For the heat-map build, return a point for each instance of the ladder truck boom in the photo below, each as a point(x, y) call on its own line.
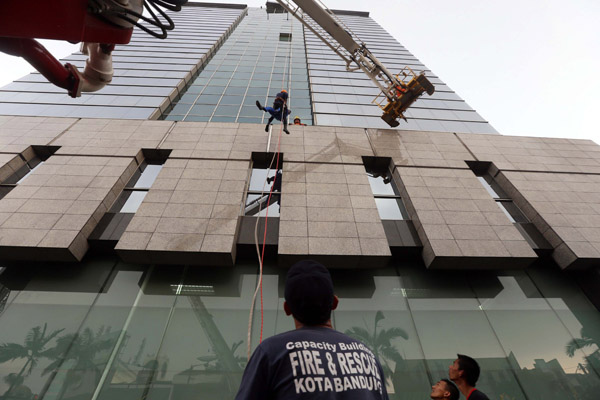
point(397, 91)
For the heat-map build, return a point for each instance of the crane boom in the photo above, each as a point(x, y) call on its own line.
point(397, 92)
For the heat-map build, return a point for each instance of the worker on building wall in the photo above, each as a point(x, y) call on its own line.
point(279, 111)
point(314, 361)
point(298, 121)
point(276, 187)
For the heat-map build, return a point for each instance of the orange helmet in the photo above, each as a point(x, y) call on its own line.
point(284, 91)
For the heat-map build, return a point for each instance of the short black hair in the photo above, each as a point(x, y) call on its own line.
point(309, 292)
point(451, 387)
point(470, 368)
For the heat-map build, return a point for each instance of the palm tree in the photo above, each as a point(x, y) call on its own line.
point(586, 340)
point(82, 348)
point(33, 348)
point(380, 342)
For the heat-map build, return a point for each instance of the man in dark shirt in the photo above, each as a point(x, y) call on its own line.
point(279, 110)
point(444, 390)
point(314, 361)
point(465, 372)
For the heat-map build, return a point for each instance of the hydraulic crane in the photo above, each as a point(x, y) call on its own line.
point(398, 92)
point(97, 24)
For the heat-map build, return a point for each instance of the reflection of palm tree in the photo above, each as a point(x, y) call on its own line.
point(380, 342)
point(33, 348)
point(586, 340)
point(207, 360)
point(82, 348)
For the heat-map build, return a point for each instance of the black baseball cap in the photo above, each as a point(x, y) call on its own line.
point(309, 292)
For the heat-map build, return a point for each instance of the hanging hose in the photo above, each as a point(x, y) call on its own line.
point(98, 70)
point(126, 13)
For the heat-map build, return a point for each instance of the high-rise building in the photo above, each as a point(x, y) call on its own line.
point(130, 218)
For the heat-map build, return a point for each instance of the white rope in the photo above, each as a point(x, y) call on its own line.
point(257, 245)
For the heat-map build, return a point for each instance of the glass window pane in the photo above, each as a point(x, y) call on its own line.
point(41, 351)
point(512, 211)
point(137, 363)
point(372, 309)
point(516, 303)
point(492, 187)
point(256, 203)
point(148, 176)
point(446, 301)
point(381, 184)
point(133, 202)
point(391, 209)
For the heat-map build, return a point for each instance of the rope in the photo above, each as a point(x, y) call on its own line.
point(261, 254)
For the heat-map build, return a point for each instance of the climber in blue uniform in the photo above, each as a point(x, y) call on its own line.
point(279, 111)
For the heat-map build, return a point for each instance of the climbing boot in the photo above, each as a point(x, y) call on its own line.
point(260, 107)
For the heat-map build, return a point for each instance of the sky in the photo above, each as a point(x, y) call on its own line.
point(529, 67)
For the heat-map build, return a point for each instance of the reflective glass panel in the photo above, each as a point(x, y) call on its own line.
point(134, 200)
point(148, 176)
point(392, 208)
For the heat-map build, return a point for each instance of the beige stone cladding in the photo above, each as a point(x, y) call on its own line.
point(556, 183)
point(520, 153)
point(217, 140)
point(51, 213)
point(191, 213)
point(565, 208)
point(426, 149)
point(110, 137)
point(9, 164)
point(328, 210)
point(458, 222)
point(19, 133)
point(456, 219)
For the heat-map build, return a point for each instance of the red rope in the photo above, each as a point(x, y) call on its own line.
point(262, 256)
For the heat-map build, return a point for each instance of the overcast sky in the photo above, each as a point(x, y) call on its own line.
point(530, 67)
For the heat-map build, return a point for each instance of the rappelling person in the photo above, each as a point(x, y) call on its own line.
point(276, 187)
point(279, 111)
point(298, 121)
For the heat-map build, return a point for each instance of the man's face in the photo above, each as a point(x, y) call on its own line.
point(439, 391)
point(454, 370)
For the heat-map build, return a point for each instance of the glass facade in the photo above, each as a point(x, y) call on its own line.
point(343, 98)
point(110, 330)
point(263, 55)
point(147, 72)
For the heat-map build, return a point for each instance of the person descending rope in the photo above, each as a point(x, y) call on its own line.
point(279, 111)
point(298, 121)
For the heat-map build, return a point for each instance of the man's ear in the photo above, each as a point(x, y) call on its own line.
point(336, 301)
point(446, 394)
point(287, 309)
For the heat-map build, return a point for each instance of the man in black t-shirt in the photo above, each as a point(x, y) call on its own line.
point(314, 361)
point(465, 371)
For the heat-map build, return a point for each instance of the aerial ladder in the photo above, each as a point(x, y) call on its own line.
point(97, 24)
point(397, 91)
